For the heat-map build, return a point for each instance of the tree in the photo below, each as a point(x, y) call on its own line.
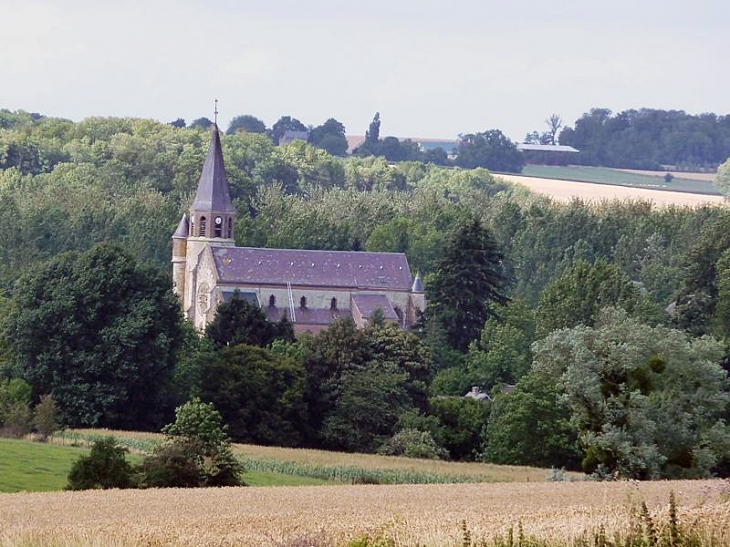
point(330, 136)
point(198, 439)
point(404, 351)
point(578, 295)
point(201, 123)
point(531, 426)
point(98, 331)
point(105, 467)
point(462, 422)
point(372, 135)
point(412, 443)
point(467, 281)
point(554, 123)
point(46, 417)
point(648, 401)
point(502, 355)
point(240, 322)
point(722, 179)
point(178, 123)
point(247, 124)
point(259, 395)
point(283, 124)
point(490, 149)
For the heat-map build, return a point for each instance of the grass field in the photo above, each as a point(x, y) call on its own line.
point(35, 467)
point(635, 179)
point(346, 467)
point(408, 515)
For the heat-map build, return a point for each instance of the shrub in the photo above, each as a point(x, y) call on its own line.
point(105, 467)
point(197, 451)
point(46, 417)
point(412, 443)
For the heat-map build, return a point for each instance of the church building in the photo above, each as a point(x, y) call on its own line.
point(310, 288)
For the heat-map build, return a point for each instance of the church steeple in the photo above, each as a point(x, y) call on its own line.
point(212, 212)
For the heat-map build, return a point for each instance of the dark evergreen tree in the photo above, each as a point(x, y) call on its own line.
point(468, 279)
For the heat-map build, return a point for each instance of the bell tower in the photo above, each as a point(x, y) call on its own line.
point(210, 221)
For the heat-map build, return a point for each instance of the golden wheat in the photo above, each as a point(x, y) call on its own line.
point(496, 473)
point(561, 190)
point(332, 515)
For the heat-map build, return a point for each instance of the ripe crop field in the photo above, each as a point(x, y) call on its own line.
point(341, 466)
point(409, 515)
point(565, 190)
point(652, 180)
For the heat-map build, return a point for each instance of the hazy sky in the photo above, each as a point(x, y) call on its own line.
point(432, 69)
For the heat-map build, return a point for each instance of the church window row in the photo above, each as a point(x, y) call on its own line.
point(302, 302)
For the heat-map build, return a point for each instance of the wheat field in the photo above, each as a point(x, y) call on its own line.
point(562, 190)
point(425, 515)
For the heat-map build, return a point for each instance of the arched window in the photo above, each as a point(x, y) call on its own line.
point(202, 227)
point(272, 301)
point(303, 302)
point(333, 304)
point(229, 234)
point(218, 227)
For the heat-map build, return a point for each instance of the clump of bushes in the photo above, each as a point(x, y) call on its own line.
point(196, 452)
point(413, 443)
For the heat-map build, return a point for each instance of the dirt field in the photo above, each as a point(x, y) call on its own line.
point(332, 515)
point(566, 190)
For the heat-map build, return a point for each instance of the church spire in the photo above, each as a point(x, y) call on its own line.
point(213, 194)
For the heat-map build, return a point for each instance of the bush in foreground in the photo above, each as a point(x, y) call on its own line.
point(105, 467)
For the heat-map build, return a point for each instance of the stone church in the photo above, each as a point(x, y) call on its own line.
point(310, 288)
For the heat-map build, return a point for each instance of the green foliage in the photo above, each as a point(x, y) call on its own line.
point(259, 395)
point(531, 426)
point(490, 149)
point(246, 123)
point(412, 443)
point(722, 179)
point(468, 279)
point(576, 297)
point(648, 401)
point(46, 416)
point(649, 138)
point(98, 331)
point(238, 321)
point(105, 467)
point(330, 136)
point(197, 439)
point(462, 422)
point(15, 414)
point(502, 355)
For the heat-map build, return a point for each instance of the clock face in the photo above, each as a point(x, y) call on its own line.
point(218, 220)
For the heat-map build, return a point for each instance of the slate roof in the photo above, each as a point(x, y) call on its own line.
point(347, 269)
point(417, 283)
point(183, 229)
point(368, 303)
point(212, 194)
point(308, 316)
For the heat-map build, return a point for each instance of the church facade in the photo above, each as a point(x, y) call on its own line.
point(311, 288)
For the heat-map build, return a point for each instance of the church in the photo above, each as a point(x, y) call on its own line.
point(311, 288)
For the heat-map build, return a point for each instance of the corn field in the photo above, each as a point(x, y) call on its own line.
point(508, 514)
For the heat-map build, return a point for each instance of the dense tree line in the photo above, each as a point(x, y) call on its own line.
point(524, 292)
point(649, 139)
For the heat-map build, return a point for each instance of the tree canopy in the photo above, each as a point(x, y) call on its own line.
point(99, 332)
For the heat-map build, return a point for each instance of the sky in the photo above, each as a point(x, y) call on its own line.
point(432, 69)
